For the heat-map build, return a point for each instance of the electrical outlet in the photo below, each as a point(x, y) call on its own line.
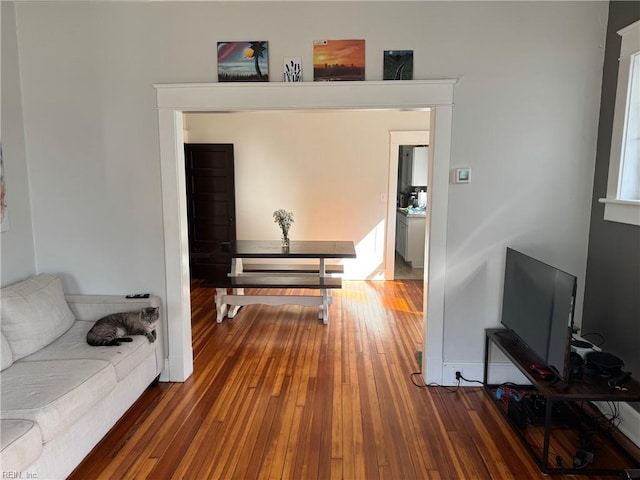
point(455, 373)
point(450, 370)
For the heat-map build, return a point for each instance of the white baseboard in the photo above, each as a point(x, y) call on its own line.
point(164, 376)
point(507, 372)
point(629, 420)
point(498, 373)
point(179, 370)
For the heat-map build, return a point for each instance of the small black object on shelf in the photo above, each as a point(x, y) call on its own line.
point(580, 343)
point(603, 363)
point(138, 295)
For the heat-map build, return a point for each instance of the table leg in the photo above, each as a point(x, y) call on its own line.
point(236, 267)
point(221, 308)
point(324, 308)
point(233, 310)
point(325, 293)
point(236, 270)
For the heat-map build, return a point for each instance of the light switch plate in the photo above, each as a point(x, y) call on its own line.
point(462, 175)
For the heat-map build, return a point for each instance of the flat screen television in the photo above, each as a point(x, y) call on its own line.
point(537, 306)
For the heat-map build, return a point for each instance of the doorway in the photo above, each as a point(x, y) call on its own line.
point(396, 265)
point(411, 228)
point(173, 100)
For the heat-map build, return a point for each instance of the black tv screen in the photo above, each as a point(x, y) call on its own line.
point(537, 306)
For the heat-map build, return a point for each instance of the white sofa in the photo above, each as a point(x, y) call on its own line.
point(60, 396)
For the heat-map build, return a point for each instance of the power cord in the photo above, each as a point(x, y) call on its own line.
point(599, 420)
point(433, 384)
point(584, 454)
point(559, 460)
point(460, 377)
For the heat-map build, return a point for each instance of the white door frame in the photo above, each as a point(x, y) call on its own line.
point(175, 99)
point(396, 140)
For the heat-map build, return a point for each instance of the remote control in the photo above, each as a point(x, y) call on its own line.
point(542, 371)
point(138, 295)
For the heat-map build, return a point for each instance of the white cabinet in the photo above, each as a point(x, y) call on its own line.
point(414, 167)
point(419, 166)
point(401, 234)
point(410, 237)
point(416, 227)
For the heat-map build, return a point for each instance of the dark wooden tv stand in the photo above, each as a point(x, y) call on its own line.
point(612, 451)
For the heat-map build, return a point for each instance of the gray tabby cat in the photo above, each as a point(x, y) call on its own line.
point(110, 330)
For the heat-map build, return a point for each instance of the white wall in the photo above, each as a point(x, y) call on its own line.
point(329, 168)
point(525, 121)
point(17, 255)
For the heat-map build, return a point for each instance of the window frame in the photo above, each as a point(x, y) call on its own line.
point(615, 208)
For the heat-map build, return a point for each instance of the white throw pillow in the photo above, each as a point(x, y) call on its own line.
point(34, 313)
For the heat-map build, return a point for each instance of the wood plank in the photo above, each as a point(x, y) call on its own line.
point(297, 249)
point(283, 281)
point(296, 268)
point(269, 299)
point(272, 396)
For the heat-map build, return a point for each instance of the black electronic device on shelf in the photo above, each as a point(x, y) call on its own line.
point(537, 306)
point(535, 406)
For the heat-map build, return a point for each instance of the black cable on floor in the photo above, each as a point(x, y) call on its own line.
point(433, 384)
point(470, 381)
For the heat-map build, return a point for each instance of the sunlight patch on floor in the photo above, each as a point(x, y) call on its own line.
point(362, 292)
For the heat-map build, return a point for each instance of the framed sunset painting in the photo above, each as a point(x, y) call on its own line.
point(335, 60)
point(243, 61)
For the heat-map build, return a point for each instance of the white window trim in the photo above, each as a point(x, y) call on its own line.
point(615, 209)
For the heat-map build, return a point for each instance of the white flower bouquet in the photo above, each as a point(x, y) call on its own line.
point(284, 219)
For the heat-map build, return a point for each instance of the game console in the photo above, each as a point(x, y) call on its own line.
point(536, 404)
point(581, 346)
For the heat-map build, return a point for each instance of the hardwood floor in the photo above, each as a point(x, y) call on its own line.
point(276, 394)
point(404, 270)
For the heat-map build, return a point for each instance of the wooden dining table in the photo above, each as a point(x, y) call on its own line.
point(284, 271)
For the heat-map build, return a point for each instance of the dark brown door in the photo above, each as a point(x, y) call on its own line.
point(211, 207)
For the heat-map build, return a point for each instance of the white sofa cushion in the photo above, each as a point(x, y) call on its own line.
point(54, 393)
point(34, 313)
point(73, 345)
point(5, 353)
point(21, 444)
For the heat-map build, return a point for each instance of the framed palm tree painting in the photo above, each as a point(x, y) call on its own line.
point(243, 61)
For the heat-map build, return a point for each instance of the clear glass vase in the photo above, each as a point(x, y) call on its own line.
point(284, 241)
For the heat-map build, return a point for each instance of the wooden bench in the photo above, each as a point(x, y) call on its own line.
point(283, 281)
point(293, 268)
point(238, 298)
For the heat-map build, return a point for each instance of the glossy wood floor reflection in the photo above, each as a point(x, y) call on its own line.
point(276, 394)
